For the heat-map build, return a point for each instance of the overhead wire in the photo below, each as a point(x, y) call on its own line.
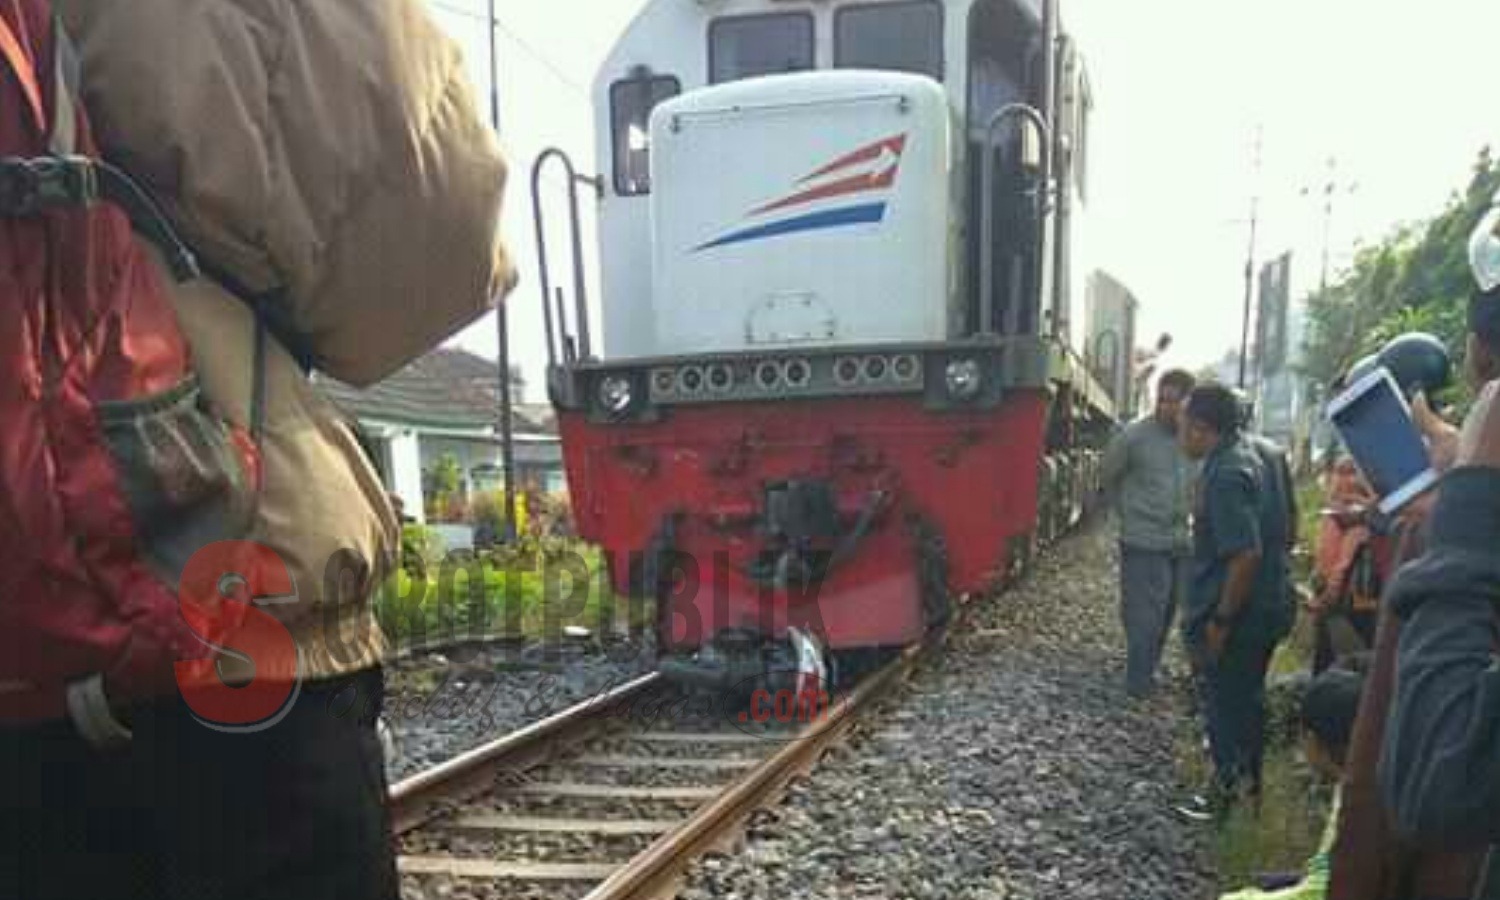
point(526, 46)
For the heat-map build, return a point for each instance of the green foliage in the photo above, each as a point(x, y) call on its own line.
point(447, 475)
point(421, 549)
point(487, 515)
point(446, 490)
point(1417, 279)
point(530, 590)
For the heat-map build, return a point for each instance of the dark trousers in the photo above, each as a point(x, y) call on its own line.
point(189, 813)
point(1326, 651)
point(1233, 695)
point(1153, 584)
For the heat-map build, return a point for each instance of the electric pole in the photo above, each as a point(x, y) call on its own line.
point(1331, 188)
point(1250, 258)
point(502, 325)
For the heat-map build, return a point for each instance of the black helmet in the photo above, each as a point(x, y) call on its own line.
point(1418, 362)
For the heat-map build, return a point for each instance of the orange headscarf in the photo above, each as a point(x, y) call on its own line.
point(1337, 543)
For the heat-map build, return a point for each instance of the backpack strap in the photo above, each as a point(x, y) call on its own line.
point(67, 87)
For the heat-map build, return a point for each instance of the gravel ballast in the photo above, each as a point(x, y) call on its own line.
point(442, 703)
point(1011, 767)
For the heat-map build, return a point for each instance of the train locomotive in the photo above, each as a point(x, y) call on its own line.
point(853, 360)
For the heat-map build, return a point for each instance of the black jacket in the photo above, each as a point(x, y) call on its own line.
point(1440, 768)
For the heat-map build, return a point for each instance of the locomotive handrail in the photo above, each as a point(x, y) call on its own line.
point(559, 340)
point(987, 221)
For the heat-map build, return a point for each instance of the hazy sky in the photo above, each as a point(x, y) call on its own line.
point(1395, 92)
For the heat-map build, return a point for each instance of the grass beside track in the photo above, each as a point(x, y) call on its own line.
point(528, 593)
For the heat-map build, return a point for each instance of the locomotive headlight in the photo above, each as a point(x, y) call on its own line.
point(964, 379)
point(616, 394)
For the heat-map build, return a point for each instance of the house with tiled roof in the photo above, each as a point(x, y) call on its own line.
point(445, 406)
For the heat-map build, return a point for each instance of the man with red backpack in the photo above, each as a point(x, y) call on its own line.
point(189, 677)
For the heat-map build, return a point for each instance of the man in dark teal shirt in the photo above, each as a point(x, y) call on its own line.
point(1238, 607)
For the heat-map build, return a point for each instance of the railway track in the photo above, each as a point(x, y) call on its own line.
point(593, 803)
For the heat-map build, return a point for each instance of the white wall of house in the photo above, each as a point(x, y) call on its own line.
point(406, 471)
point(406, 452)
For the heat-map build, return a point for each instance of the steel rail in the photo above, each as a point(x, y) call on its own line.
point(429, 794)
point(655, 872)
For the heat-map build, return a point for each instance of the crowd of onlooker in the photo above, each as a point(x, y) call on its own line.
point(1403, 709)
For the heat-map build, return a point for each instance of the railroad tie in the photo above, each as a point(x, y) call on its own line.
point(708, 737)
point(664, 762)
point(531, 824)
point(487, 869)
point(617, 792)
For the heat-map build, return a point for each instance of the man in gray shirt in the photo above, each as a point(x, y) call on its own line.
point(1150, 482)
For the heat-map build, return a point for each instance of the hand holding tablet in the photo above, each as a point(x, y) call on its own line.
point(1376, 424)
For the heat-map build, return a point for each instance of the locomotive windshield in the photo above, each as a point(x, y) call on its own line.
point(902, 37)
point(748, 46)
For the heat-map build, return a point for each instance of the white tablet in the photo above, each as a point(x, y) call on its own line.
point(1375, 423)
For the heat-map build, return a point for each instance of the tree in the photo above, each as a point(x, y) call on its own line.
point(1417, 279)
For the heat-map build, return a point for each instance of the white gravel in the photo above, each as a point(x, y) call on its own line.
point(440, 704)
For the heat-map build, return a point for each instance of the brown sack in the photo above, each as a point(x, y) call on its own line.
point(321, 507)
point(332, 149)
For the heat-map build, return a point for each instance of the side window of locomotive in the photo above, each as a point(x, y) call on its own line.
point(630, 104)
point(748, 46)
point(900, 37)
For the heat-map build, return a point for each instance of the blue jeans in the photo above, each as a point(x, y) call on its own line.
point(1153, 584)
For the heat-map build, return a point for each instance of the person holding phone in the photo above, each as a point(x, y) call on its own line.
point(1369, 858)
point(1440, 767)
point(1237, 606)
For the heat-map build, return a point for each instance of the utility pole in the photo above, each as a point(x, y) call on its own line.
point(1330, 189)
point(1250, 258)
point(502, 324)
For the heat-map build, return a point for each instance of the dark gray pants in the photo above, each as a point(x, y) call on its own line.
point(1153, 584)
point(187, 813)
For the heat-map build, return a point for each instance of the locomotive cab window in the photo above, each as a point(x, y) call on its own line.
point(748, 46)
point(630, 104)
point(900, 37)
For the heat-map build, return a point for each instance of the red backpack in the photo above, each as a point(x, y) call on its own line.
point(113, 472)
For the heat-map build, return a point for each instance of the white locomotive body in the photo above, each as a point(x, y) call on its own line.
point(832, 229)
point(843, 341)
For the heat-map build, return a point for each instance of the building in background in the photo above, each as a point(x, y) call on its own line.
point(435, 420)
point(1111, 353)
point(1285, 409)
